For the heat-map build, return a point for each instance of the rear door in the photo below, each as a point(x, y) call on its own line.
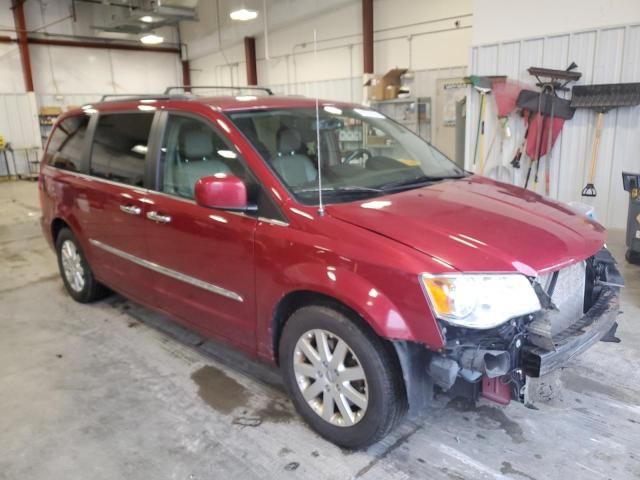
point(204, 256)
point(118, 202)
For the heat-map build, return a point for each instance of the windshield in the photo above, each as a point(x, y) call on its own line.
point(362, 152)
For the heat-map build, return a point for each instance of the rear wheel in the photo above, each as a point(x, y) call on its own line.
point(77, 276)
point(343, 379)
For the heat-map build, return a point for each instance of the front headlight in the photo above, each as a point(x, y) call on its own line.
point(479, 300)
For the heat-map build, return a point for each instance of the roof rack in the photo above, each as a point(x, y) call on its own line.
point(133, 96)
point(185, 88)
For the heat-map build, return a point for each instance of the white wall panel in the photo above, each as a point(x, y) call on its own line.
point(607, 55)
point(11, 79)
point(499, 20)
point(18, 126)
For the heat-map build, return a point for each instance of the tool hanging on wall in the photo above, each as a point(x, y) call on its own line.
point(602, 98)
point(505, 93)
point(515, 162)
point(549, 105)
point(483, 86)
point(536, 107)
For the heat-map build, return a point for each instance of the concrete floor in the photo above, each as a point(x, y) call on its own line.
point(114, 391)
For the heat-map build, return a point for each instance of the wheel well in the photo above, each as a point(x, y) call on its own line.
point(57, 225)
point(303, 298)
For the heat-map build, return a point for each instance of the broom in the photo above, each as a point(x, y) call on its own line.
point(602, 98)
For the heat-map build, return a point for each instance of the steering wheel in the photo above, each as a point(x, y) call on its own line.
point(358, 152)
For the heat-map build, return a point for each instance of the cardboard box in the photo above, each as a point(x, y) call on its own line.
point(384, 87)
point(50, 111)
point(376, 140)
point(391, 92)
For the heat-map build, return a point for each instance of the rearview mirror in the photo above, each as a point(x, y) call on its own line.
point(223, 191)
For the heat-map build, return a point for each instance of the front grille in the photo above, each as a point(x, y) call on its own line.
point(568, 296)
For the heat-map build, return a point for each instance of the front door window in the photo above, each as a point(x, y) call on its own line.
point(191, 150)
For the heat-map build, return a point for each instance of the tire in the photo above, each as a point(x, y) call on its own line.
point(633, 257)
point(376, 402)
point(71, 260)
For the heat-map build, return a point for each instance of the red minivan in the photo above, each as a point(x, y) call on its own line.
point(328, 240)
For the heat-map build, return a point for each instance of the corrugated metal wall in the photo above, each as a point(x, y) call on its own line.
point(19, 126)
point(608, 55)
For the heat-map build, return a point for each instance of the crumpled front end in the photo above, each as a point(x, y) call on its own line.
point(580, 305)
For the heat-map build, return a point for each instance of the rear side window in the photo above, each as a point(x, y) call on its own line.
point(66, 146)
point(120, 147)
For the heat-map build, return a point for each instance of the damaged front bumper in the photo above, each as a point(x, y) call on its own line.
point(511, 361)
point(597, 324)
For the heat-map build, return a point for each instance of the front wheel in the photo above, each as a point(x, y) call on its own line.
point(633, 257)
point(343, 379)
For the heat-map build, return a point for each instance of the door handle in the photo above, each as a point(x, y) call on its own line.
point(157, 217)
point(131, 209)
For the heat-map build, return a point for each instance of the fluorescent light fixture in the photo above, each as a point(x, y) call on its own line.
point(243, 15)
point(332, 109)
point(368, 113)
point(139, 149)
point(376, 204)
point(151, 39)
point(147, 19)
point(246, 98)
point(227, 154)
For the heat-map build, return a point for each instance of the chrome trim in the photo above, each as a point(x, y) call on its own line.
point(168, 272)
point(157, 217)
point(130, 209)
point(273, 221)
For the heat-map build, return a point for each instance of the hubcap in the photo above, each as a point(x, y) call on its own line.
point(331, 378)
point(72, 265)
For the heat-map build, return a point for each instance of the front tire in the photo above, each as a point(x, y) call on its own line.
point(633, 257)
point(343, 379)
point(76, 274)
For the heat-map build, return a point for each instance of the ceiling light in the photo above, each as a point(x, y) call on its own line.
point(151, 39)
point(147, 19)
point(243, 15)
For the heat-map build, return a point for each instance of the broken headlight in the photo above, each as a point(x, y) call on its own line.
point(479, 300)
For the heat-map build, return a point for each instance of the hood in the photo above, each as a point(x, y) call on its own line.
point(479, 225)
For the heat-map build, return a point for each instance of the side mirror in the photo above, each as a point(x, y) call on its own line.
point(222, 191)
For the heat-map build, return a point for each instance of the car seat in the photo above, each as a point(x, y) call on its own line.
point(295, 168)
point(196, 158)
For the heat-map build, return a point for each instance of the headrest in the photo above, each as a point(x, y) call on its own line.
point(289, 141)
point(197, 144)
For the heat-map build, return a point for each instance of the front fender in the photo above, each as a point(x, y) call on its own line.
point(366, 299)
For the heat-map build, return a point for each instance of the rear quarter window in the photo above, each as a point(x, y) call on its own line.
point(67, 144)
point(120, 147)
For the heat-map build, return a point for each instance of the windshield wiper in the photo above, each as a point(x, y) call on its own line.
point(416, 182)
point(345, 189)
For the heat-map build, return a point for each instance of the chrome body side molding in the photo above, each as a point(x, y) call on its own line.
point(167, 271)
